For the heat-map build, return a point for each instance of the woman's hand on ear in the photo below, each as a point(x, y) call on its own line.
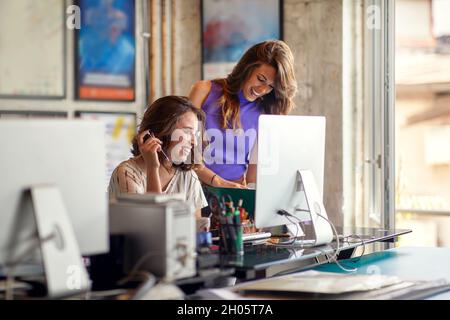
point(149, 149)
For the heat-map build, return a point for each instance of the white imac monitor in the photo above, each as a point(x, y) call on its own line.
point(69, 154)
point(288, 145)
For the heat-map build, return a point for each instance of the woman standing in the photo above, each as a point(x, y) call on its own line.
point(262, 82)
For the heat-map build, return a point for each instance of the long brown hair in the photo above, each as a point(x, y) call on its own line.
point(275, 53)
point(161, 118)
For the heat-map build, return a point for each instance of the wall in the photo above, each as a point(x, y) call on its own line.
point(313, 29)
point(187, 45)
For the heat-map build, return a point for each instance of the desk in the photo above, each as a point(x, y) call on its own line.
point(408, 262)
point(267, 261)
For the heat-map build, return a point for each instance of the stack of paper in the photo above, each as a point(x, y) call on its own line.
point(321, 282)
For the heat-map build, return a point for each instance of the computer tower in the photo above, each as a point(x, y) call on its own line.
point(158, 237)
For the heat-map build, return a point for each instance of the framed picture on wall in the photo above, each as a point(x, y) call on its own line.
point(32, 49)
point(120, 128)
point(105, 57)
point(26, 114)
point(230, 27)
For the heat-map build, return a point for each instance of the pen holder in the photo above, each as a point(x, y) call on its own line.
point(231, 241)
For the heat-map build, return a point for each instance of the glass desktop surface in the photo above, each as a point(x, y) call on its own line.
point(263, 256)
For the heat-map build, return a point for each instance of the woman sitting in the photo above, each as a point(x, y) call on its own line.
point(163, 160)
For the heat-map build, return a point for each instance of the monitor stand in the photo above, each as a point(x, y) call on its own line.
point(64, 269)
point(322, 231)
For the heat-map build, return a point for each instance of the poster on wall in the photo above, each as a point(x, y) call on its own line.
point(230, 27)
point(120, 128)
point(106, 50)
point(32, 49)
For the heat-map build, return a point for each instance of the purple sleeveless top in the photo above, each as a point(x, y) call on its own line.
point(228, 152)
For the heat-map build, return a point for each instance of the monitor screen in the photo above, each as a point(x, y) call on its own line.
point(287, 144)
point(67, 154)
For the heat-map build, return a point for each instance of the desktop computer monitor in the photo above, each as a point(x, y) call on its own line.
point(69, 154)
point(287, 146)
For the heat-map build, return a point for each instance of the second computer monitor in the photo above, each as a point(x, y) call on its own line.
point(286, 145)
point(67, 154)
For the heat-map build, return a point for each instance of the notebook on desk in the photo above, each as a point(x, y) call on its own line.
point(327, 285)
point(321, 282)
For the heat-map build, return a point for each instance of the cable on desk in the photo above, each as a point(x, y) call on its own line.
point(296, 231)
point(145, 286)
point(362, 242)
point(286, 215)
point(336, 252)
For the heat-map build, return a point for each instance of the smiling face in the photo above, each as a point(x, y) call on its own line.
point(260, 82)
point(183, 138)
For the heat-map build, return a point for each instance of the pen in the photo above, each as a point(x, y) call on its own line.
point(224, 234)
point(238, 229)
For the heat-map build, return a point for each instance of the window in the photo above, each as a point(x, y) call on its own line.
point(423, 121)
point(369, 92)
